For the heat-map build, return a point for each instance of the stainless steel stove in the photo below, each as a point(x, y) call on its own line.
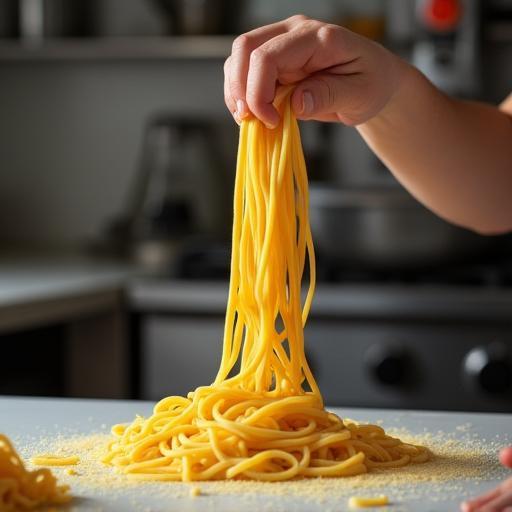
point(387, 341)
point(426, 347)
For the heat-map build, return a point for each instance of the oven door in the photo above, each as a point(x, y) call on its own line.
point(179, 353)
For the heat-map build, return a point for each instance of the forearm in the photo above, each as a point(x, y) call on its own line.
point(454, 156)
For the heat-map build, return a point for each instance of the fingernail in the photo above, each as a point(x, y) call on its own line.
point(236, 117)
point(307, 103)
point(270, 126)
point(241, 108)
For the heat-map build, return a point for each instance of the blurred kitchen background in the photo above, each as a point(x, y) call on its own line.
point(117, 160)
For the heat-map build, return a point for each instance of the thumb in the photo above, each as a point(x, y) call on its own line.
point(326, 96)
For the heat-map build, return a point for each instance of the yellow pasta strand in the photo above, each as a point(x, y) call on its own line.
point(363, 502)
point(55, 460)
point(23, 489)
point(263, 417)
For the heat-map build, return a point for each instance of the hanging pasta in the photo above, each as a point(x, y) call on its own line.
point(263, 417)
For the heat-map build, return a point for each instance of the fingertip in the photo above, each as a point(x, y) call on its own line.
point(271, 125)
point(465, 507)
point(506, 456)
point(303, 103)
point(241, 108)
point(228, 100)
point(268, 115)
point(296, 101)
point(308, 103)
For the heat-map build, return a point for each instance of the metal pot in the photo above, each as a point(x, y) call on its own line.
point(385, 229)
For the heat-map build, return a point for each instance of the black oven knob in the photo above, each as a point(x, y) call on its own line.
point(387, 364)
point(489, 368)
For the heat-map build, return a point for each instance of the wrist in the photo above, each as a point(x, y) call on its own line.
point(404, 80)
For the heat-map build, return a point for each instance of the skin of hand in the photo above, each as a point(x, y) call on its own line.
point(340, 76)
point(498, 499)
point(454, 156)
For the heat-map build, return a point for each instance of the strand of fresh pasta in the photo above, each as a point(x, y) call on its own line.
point(263, 417)
point(20, 488)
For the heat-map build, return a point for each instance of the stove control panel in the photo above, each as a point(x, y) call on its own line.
point(408, 347)
point(412, 364)
point(488, 369)
point(388, 364)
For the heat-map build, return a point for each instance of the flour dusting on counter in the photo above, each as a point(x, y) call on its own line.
point(460, 459)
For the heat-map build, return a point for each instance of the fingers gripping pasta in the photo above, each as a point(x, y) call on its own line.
point(263, 418)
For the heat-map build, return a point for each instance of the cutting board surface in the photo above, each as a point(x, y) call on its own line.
point(466, 463)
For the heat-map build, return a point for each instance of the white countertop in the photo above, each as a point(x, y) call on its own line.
point(26, 420)
point(25, 279)
point(43, 288)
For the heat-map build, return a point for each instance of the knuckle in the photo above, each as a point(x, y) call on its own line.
point(260, 57)
point(241, 44)
point(226, 64)
point(310, 24)
point(328, 34)
point(297, 19)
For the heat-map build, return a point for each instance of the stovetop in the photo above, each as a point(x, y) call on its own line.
point(211, 262)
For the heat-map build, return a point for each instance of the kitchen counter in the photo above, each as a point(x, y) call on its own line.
point(28, 420)
point(42, 288)
point(84, 295)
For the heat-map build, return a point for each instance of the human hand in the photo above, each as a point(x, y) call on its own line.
point(339, 75)
point(500, 498)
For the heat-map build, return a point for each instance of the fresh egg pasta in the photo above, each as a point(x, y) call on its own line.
point(263, 417)
point(24, 489)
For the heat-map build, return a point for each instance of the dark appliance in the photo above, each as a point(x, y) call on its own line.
point(178, 197)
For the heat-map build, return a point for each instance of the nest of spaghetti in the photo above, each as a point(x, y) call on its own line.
point(221, 433)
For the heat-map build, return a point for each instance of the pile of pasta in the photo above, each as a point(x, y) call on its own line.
point(263, 417)
point(23, 489)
